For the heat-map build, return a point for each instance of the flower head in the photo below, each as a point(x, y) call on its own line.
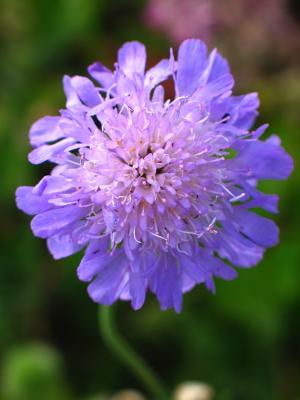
point(158, 192)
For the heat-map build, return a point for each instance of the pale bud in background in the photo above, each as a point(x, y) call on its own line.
point(128, 395)
point(194, 391)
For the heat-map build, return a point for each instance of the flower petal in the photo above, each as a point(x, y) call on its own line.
point(166, 283)
point(47, 151)
point(219, 87)
point(158, 73)
point(263, 160)
point(110, 281)
point(63, 245)
point(191, 267)
point(236, 248)
point(217, 267)
point(85, 91)
point(268, 202)
point(45, 130)
point(132, 58)
point(75, 129)
point(51, 222)
point(191, 61)
point(260, 230)
point(216, 66)
point(31, 203)
point(137, 290)
point(55, 184)
point(101, 74)
point(91, 266)
point(80, 93)
point(244, 110)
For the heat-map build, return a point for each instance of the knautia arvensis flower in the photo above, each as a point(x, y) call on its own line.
point(158, 191)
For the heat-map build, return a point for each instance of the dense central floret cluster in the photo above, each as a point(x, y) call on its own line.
point(147, 169)
point(159, 191)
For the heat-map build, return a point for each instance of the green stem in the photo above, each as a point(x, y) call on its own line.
point(128, 356)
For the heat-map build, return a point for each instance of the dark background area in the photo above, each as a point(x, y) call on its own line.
point(244, 341)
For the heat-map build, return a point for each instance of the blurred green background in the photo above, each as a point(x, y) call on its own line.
point(244, 341)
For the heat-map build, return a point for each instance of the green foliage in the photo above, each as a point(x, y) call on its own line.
point(33, 372)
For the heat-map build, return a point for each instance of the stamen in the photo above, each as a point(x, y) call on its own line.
point(158, 236)
point(236, 198)
point(135, 238)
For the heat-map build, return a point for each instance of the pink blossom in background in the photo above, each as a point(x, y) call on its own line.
point(181, 19)
point(244, 27)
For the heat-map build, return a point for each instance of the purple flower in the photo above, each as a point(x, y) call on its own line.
point(158, 192)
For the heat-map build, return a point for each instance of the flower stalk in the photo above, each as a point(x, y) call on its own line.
point(128, 356)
